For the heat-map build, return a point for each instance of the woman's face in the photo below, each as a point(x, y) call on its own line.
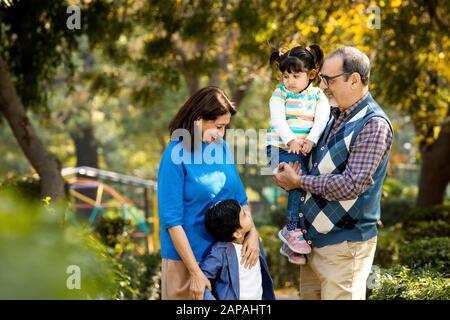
point(212, 129)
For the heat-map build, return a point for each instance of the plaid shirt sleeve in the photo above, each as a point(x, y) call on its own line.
point(369, 149)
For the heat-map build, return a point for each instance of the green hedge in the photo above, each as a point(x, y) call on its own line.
point(395, 210)
point(388, 244)
point(278, 217)
point(284, 273)
point(427, 229)
point(418, 224)
point(402, 283)
point(28, 187)
point(144, 274)
point(431, 254)
point(140, 274)
point(40, 256)
point(439, 212)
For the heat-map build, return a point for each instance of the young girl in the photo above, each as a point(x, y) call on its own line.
point(299, 113)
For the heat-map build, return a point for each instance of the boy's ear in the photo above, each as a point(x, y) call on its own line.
point(237, 234)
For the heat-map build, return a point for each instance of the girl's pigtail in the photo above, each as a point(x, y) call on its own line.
point(317, 53)
point(275, 57)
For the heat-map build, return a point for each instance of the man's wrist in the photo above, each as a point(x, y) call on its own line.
point(299, 181)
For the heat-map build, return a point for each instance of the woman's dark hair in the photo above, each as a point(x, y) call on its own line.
point(222, 220)
point(208, 103)
point(299, 59)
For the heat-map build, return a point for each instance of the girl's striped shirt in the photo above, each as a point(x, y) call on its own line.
point(303, 115)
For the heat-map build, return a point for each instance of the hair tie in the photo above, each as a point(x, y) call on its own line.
point(280, 54)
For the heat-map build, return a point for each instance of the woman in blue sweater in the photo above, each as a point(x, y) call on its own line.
point(196, 171)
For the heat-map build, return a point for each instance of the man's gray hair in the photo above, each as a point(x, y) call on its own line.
point(353, 61)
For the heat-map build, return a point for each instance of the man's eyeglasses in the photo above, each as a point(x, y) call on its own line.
point(327, 79)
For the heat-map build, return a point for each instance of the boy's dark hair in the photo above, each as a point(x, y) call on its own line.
point(222, 220)
point(299, 59)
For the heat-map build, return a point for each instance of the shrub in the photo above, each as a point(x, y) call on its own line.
point(395, 210)
point(139, 275)
point(40, 257)
point(427, 229)
point(284, 273)
point(392, 188)
point(432, 254)
point(418, 224)
point(388, 243)
point(278, 217)
point(401, 283)
point(27, 187)
point(145, 275)
point(113, 231)
point(440, 212)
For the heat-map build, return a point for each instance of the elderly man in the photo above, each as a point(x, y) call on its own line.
point(340, 203)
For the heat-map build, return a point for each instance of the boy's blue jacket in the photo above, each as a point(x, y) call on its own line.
point(221, 267)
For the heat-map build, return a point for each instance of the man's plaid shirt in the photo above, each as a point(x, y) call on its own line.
point(369, 150)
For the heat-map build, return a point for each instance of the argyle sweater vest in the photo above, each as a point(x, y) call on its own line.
point(330, 222)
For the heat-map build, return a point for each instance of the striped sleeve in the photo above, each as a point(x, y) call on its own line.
point(278, 116)
point(321, 117)
point(278, 97)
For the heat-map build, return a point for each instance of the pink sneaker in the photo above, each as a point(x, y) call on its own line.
point(293, 257)
point(294, 239)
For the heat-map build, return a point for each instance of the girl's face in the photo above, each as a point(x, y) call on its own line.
point(212, 129)
point(295, 82)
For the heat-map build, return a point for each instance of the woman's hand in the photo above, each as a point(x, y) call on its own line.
point(198, 283)
point(250, 249)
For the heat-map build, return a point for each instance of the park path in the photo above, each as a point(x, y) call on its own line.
point(287, 294)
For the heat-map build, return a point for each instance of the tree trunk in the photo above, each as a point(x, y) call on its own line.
point(435, 169)
point(85, 146)
point(44, 162)
point(87, 155)
point(192, 81)
point(238, 92)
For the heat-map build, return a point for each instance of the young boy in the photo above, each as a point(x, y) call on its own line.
point(229, 224)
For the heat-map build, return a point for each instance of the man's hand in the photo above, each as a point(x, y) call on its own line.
point(287, 176)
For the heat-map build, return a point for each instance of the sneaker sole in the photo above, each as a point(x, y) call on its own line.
point(280, 235)
point(289, 259)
